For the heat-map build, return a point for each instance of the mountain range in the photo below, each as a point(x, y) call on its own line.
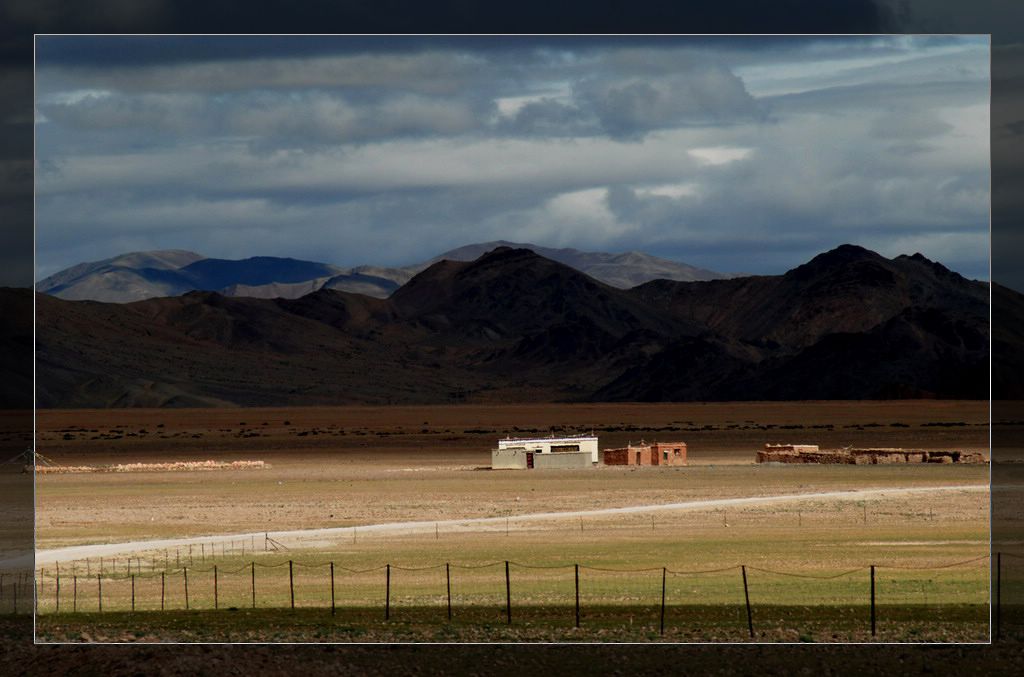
point(514, 325)
point(142, 275)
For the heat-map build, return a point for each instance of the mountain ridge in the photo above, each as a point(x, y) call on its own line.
point(515, 326)
point(139, 275)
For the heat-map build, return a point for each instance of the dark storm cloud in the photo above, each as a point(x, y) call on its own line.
point(389, 150)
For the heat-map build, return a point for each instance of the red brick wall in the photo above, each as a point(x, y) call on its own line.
point(668, 453)
point(628, 455)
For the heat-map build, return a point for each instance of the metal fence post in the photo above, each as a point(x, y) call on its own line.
point(332, 588)
point(448, 583)
point(99, 591)
point(253, 565)
point(133, 592)
point(387, 592)
point(57, 596)
point(872, 600)
point(664, 573)
point(577, 569)
point(185, 573)
point(291, 583)
point(746, 596)
point(216, 600)
point(508, 595)
point(163, 587)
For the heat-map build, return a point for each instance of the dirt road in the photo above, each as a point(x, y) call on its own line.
point(318, 537)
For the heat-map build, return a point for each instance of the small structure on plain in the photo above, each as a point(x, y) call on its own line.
point(545, 452)
point(810, 453)
point(655, 453)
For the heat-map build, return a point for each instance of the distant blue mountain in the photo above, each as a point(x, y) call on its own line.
point(213, 274)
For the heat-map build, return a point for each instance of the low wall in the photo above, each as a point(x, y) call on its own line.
point(568, 459)
point(779, 453)
point(628, 455)
point(513, 458)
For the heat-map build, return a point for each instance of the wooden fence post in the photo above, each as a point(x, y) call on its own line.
point(664, 573)
point(508, 595)
point(332, 588)
point(74, 593)
point(448, 581)
point(133, 592)
point(387, 592)
point(216, 600)
point(185, 573)
point(57, 596)
point(163, 586)
point(253, 565)
point(99, 591)
point(291, 583)
point(746, 596)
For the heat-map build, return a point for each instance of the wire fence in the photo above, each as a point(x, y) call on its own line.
point(568, 592)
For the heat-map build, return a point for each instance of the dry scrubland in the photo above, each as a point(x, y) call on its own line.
point(338, 467)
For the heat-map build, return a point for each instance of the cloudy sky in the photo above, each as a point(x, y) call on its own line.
point(735, 154)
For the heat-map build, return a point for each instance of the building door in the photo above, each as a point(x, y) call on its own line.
point(638, 458)
point(529, 459)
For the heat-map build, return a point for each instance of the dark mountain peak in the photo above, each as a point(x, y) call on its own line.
point(934, 266)
point(842, 257)
point(844, 253)
point(505, 253)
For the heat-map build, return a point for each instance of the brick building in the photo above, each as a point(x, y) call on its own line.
point(656, 453)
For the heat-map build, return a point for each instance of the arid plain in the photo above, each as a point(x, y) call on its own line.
point(335, 468)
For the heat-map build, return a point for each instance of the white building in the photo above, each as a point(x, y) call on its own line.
point(554, 445)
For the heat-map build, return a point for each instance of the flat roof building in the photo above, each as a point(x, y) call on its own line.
point(553, 445)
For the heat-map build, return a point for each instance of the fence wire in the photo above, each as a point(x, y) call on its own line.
point(649, 599)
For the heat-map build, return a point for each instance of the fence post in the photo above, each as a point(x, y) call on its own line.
point(332, 588)
point(1, 587)
point(999, 594)
point(872, 600)
point(216, 601)
point(664, 572)
point(448, 581)
point(291, 583)
point(163, 586)
point(74, 593)
point(99, 591)
point(133, 592)
point(387, 592)
point(508, 595)
point(15, 587)
point(253, 565)
point(57, 596)
point(577, 570)
point(177, 557)
point(746, 596)
point(185, 572)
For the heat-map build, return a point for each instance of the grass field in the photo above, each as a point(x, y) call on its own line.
point(357, 466)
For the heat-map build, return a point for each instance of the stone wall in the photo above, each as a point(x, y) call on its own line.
point(792, 453)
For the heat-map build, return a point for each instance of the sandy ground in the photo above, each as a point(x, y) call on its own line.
point(324, 536)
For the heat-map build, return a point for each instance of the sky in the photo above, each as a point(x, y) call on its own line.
point(737, 154)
